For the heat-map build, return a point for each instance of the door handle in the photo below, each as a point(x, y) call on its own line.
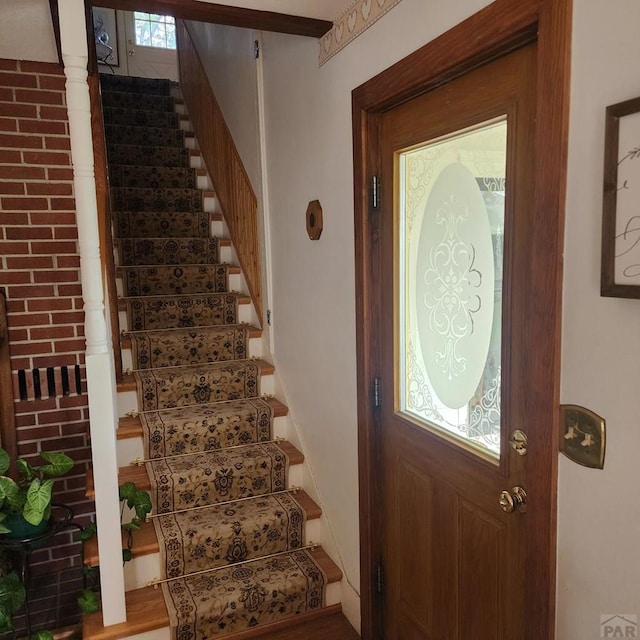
point(131, 52)
point(514, 500)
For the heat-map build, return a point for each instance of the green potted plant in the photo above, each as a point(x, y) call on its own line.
point(25, 503)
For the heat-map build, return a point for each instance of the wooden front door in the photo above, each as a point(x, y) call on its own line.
point(456, 219)
point(440, 559)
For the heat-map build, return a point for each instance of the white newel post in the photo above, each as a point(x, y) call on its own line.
point(99, 356)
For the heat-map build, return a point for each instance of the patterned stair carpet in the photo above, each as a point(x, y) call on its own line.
point(231, 534)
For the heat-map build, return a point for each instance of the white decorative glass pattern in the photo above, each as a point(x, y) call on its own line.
point(449, 295)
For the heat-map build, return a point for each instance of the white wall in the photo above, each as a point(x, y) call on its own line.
point(599, 511)
point(26, 31)
point(309, 154)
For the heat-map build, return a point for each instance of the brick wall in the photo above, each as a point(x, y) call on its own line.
point(39, 273)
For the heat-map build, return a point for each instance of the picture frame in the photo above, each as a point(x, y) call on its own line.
point(620, 273)
point(105, 29)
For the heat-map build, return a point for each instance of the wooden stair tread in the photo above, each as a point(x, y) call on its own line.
point(146, 610)
point(242, 299)
point(128, 382)
point(131, 427)
point(138, 473)
point(125, 339)
point(145, 540)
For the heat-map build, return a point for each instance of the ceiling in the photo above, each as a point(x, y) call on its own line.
point(26, 31)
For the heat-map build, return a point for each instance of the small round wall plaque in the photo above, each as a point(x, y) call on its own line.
point(314, 220)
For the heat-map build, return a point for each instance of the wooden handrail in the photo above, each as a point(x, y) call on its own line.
point(102, 194)
point(231, 183)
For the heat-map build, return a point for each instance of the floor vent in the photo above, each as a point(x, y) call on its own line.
point(51, 382)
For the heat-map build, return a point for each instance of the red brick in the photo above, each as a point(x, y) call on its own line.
point(63, 204)
point(42, 126)
point(60, 417)
point(35, 96)
point(58, 360)
point(29, 320)
point(46, 157)
point(49, 189)
point(66, 233)
point(51, 68)
point(72, 317)
point(52, 82)
point(17, 218)
point(18, 110)
point(55, 276)
point(30, 262)
point(51, 333)
point(58, 143)
point(18, 80)
point(31, 291)
point(15, 306)
point(30, 233)
point(46, 248)
point(65, 346)
point(6, 95)
point(15, 248)
point(15, 277)
point(73, 401)
point(70, 290)
point(68, 261)
point(8, 65)
point(54, 113)
point(18, 335)
point(23, 204)
point(22, 172)
point(72, 428)
point(26, 420)
point(31, 348)
point(11, 157)
point(60, 174)
point(8, 124)
point(12, 188)
point(20, 142)
point(53, 304)
point(25, 449)
point(53, 219)
point(24, 435)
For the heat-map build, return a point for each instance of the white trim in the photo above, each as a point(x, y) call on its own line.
point(99, 354)
point(262, 133)
point(358, 17)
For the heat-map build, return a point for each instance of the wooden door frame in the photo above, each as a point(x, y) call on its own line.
point(494, 31)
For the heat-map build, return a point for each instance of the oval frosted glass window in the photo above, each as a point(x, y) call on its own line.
point(449, 252)
point(455, 285)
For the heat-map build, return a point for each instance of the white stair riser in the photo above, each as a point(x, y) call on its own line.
point(143, 569)
point(130, 449)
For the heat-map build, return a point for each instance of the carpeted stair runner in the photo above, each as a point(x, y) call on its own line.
point(230, 533)
point(160, 312)
point(205, 427)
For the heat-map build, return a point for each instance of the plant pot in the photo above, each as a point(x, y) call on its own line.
point(21, 529)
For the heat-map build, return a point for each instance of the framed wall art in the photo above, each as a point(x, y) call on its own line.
point(620, 276)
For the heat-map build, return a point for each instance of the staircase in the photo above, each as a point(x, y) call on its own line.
point(228, 546)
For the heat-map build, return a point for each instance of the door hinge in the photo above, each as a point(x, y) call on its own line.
point(377, 392)
point(269, 317)
point(375, 192)
point(379, 579)
point(256, 49)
